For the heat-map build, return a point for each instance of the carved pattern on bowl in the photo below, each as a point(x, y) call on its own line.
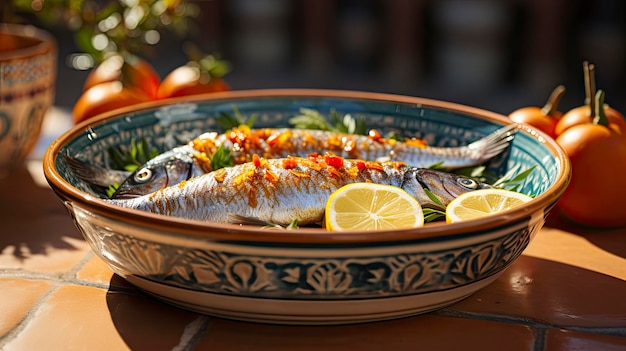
point(344, 277)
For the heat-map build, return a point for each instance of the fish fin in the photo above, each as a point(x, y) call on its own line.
point(496, 142)
point(254, 221)
point(95, 175)
point(248, 220)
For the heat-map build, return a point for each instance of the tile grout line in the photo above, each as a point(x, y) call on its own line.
point(613, 331)
point(540, 339)
point(23, 323)
point(73, 272)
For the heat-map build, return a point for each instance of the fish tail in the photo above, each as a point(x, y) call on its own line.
point(93, 174)
point(494, 143)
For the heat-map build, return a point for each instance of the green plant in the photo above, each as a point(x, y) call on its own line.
point(104, 27)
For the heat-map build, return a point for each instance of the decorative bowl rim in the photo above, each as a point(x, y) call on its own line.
point(233, 232)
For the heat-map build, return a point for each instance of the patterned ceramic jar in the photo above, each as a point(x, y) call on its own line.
point(27, 77)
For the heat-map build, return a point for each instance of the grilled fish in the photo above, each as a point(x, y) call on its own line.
point(193, 159)
point(282, 190)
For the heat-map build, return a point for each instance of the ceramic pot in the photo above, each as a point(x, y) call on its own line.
point(28, 58)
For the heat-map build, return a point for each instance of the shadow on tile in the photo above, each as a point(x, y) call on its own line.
point(543, 292)
point(34, 221)
point(602, 238)
point(532, 293)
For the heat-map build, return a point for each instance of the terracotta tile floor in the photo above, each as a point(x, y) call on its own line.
point(566, 292)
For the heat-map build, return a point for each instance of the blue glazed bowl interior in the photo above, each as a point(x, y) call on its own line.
point(176, 123)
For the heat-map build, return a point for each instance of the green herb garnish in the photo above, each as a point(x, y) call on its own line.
point(394, 136)
point(313, 119)
point(431, 215)
point(112, 189)
point(228, 121)
point(137, 154)
point(221, 158)
point(513, 184)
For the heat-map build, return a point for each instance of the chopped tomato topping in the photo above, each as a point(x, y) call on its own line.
point(272, 140)
point(290, 163)
point(333, 160)
point(256, 160)
point(279, 139)
point(360, 165)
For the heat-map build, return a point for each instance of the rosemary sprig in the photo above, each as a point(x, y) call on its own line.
point(514, 183)
point(432, 214)
point(222, 158)
point(313, 119)
point(228, 121)
point(137, 154)
point(112, 189)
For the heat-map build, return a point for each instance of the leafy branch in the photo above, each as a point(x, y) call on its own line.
point(313, 119)
point(137, 154)
point(102, 27)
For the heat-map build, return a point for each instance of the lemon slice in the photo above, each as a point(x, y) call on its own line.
point(368, 206)
point(483, 202)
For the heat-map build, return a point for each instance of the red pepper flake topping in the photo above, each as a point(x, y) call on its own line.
point(313, 156)
point(279, 139)
point(290, 163)
point(256, 160)
point(333, 160)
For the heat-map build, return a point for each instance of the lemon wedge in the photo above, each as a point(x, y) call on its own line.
point(368, 206)
point(483, 202)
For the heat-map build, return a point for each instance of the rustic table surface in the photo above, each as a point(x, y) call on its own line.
point(566, 292)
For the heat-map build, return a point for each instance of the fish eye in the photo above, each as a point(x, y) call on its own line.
point(143, 175)
point(468, 183)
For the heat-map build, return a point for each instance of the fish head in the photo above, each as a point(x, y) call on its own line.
point(444, 186)
point(159, 173)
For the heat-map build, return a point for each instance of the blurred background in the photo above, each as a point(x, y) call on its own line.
point(496, 55)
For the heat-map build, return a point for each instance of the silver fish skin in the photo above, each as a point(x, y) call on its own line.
point(169, 167)
point(280, 191)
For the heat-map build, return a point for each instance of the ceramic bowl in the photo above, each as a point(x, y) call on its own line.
point(308, 276)
point(28, 65)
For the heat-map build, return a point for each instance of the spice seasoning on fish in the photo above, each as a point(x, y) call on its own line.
point(277, 194)
point(199, 156)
